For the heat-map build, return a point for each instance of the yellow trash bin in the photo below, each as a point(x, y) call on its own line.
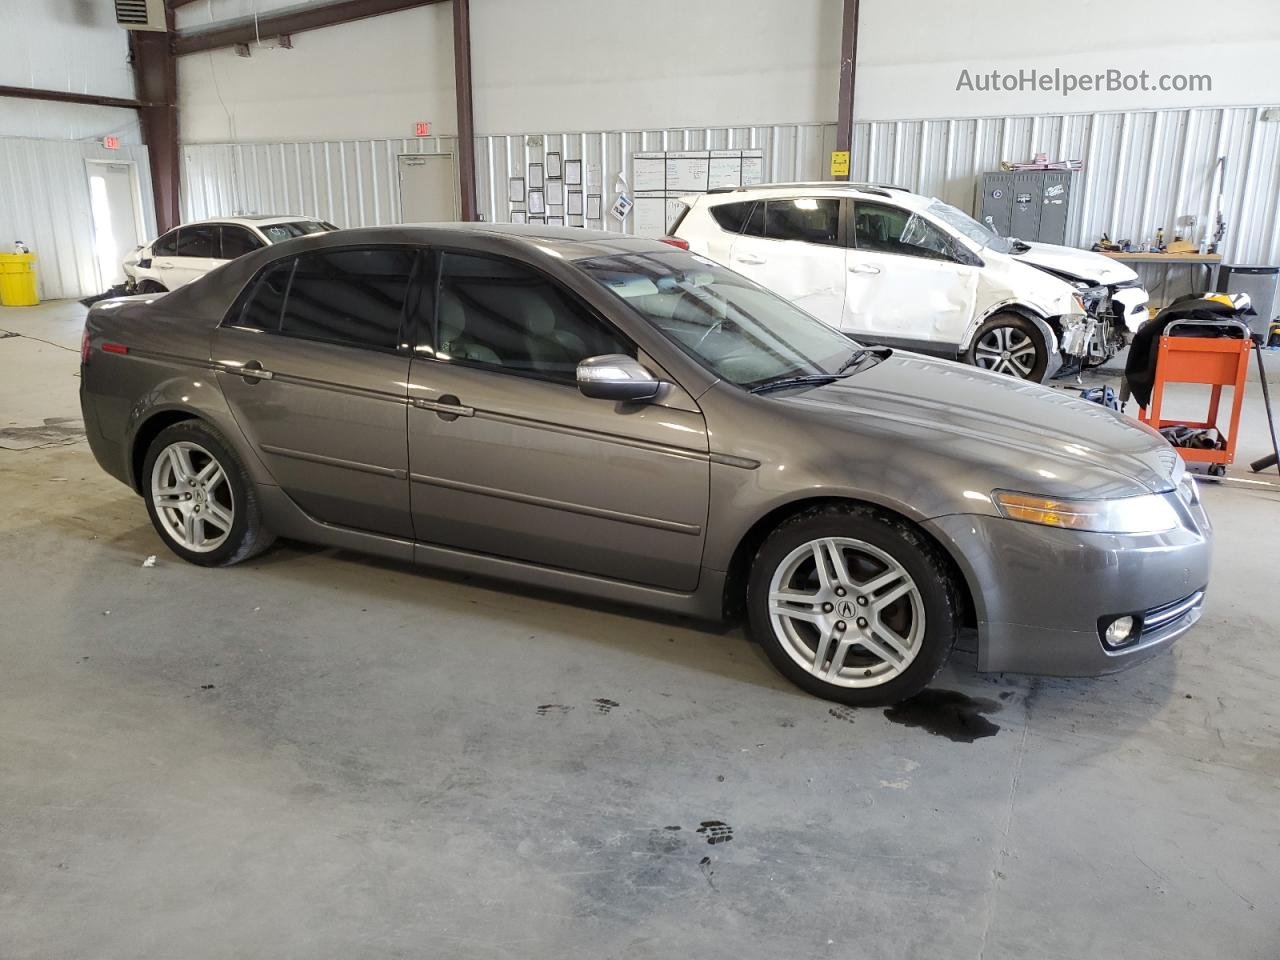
point(18, 280)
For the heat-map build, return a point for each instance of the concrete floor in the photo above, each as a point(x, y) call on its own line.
point(316, 755)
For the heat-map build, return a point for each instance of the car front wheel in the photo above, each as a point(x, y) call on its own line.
point(1008, 343)
point(852, 605)
point(199, 497)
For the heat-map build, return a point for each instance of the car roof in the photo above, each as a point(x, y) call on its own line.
point(564, 243)
point(820, 188)
point(254, 220)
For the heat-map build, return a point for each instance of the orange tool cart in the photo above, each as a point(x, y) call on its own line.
point(1219, 362)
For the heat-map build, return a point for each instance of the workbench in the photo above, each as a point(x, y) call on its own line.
point(1210, 261)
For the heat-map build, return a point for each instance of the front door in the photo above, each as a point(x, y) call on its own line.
point(906, 285)
point(793, 246)
point(507, 458)
point(198, 250)
point(313, 368)
point(428, 188)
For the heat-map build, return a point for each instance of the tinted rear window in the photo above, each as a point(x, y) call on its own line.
point(732, 216)
point(349, 296)
point(261, 310)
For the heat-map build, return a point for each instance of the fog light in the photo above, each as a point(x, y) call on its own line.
point(1120, 632)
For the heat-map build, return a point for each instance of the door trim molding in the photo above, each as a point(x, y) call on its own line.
point(356, 465)
point(685, 452)
point(670, 526)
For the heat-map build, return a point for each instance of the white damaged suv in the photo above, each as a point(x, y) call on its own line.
point(894, 267)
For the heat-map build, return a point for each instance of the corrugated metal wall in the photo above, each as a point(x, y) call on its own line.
point(45, 203)
point(1142, 169)
point(353, 183)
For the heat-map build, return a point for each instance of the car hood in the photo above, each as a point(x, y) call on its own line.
point(1081, 264)
point(1018, 432)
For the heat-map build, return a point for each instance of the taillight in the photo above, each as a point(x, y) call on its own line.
point(119, 348)
point(84, 347)
point(676, 242)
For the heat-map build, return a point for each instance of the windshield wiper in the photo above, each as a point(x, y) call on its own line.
point(794, 382)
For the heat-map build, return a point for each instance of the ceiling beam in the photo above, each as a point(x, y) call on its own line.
point(289, 20)
point(848, 70)
point(62, 96)
point(175, 4)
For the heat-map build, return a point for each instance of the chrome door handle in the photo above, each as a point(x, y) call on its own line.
point(253, 372)
point(864, 268)
point(751, 259)
point(447, 407)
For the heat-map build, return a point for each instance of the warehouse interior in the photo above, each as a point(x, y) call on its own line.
point(324, 753)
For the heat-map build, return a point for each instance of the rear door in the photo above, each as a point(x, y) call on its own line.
point(313, 364)
point(508, 458)
point(907, 282)
point(237, 241)
point(794, 246)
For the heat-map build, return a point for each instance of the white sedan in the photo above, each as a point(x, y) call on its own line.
point(190, 251)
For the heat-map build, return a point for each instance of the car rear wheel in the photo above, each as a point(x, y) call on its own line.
point(200, 499)
point(1008, 343)
point(853, 606)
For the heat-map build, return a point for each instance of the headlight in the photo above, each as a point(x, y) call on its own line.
point(1151, 513)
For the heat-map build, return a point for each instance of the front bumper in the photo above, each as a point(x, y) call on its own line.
point(1043, 595)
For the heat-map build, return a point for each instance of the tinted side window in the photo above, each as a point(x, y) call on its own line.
point(349, 296)
point(755, 221)
point(166, 245)
point(885, 229)
point(237, 241)
point(502, 314)
point(732, 216)
point(198, 241)
point(807, 219)
point(262, 307)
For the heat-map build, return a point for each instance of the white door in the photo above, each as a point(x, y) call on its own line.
point(199, 250)
point(793, 246)
point(906, 283)
point(428, 188)
point(116, 204)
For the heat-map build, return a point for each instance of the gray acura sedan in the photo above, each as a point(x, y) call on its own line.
point(617, 417)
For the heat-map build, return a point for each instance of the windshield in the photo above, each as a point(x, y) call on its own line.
point(279, 232)
point(966, 226)
point(740, 331)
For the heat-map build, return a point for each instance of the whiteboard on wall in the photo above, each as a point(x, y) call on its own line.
point(687, 172)
point(725, 169)
point(651, 216)
point(648, 172)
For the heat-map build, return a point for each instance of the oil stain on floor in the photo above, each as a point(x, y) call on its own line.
point(947, 713)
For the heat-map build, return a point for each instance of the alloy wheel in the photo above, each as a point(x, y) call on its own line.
point(1006, 350)
point(192, 497)
point(846, 612)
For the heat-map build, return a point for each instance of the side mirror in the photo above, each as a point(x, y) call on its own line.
point(616, 377)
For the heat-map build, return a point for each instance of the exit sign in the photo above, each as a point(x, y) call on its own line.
point(111, 143)
point(422, 129)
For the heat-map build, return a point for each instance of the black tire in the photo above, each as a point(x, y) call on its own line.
point(247, 536)
point(989, 336)
point(150, 286)
point(921, 559)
